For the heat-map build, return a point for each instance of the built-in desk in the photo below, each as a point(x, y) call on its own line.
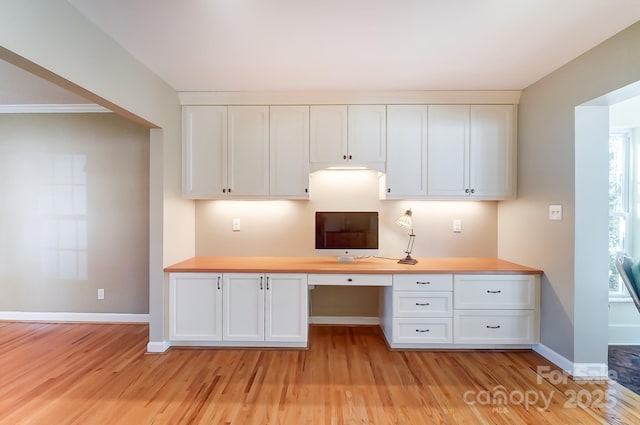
point(437, 303)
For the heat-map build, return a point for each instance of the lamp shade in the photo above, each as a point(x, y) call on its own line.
point(406, 220)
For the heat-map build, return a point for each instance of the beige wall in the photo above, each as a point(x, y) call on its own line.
point(74, 215)
point(556, 167)
point(286, 228)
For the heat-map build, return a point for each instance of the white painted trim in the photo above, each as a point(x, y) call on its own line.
point(53, 109)
point(555, 358)
point(158, 346)
point(28, 316)
point(506, 97)
point(344, 320)
point(578, 371)
point(622, 334)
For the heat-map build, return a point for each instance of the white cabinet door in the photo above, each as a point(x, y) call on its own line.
point(204, 151)
point(243, 306)
point(406, 175)
point(195, 307)
point(289, 151)
point(367, 136)
point(471, 151)
point(328, 136)
point(286, 310)
point(248, 150)
point(492, 151)
point(447, 151)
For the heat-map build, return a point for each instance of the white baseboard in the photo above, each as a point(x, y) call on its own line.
point(344, 320)
point(624, 334)
point(31, 316)
point(158, 346)
point(579, 371)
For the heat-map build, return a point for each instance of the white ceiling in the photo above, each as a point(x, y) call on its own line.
point(282, 45)
point(292, 45)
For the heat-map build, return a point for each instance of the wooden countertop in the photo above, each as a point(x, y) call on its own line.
point(371, 265)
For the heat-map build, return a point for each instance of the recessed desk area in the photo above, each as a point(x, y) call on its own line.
point(437, 303)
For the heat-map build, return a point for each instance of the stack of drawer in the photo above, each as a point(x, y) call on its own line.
point(423, 308)
point(495, 309)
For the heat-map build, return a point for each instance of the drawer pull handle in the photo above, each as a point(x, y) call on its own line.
point(422, 304)
point(349, 280)
point(422, 330)
point(493, 327)
point(493, 292)
point(423, 283)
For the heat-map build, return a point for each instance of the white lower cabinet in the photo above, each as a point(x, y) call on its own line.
point(195, 307)
point(496, 309)
point(461, 311)
point(419, 310)
point(238, 309)
point(265, 307)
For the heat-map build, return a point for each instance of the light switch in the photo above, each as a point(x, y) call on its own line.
point(457, 225)
point(236, 224)
point(555, 212)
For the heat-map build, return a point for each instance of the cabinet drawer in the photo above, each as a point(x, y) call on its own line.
point(423, 282)
point(431, 331)
point(494, 327)
point(494, 292)
point(350, 279)
point(422, 304)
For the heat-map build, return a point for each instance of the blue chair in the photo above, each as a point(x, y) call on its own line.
point(630, 273)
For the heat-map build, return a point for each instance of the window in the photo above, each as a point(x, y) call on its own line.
point(619, 206)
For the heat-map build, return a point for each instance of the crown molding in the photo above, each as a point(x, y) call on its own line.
point(66, 108)
point(508, 97)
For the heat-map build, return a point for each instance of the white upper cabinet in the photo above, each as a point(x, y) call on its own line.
point(492, 154)
point(471, 151)
point(328, 136)
point(367, 136)
point(348, 136)
point(406, 175)
point(447, 150)
point(204, 135)
point(289, 151)
point(248, 151)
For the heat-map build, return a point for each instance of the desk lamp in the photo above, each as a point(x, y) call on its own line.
point(406, 221)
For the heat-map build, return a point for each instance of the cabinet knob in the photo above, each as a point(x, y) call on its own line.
point(349, 280)
point(306, 190)
point(466, 190)
point(389, 190)
point(350, 156)
point(229, 190)
point(224, 190)
point(473, 191)
point(344, 156)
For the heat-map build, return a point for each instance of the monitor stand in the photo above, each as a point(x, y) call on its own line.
point(346, 259)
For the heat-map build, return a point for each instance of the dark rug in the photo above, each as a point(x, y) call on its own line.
point(624, 366)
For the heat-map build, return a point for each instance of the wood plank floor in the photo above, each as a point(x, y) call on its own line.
point(99, 374)
point(624, 365)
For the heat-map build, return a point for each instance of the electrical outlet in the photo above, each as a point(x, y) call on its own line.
point(236, 225)
point(457, 225)
point(555, 212)
point(101, 294)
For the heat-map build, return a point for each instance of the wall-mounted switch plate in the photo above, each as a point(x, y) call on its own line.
point(457, 225)
point(236, 224)
point(555, 212)
point(101, 294)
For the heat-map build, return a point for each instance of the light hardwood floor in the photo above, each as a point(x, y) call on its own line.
point(99, 374)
